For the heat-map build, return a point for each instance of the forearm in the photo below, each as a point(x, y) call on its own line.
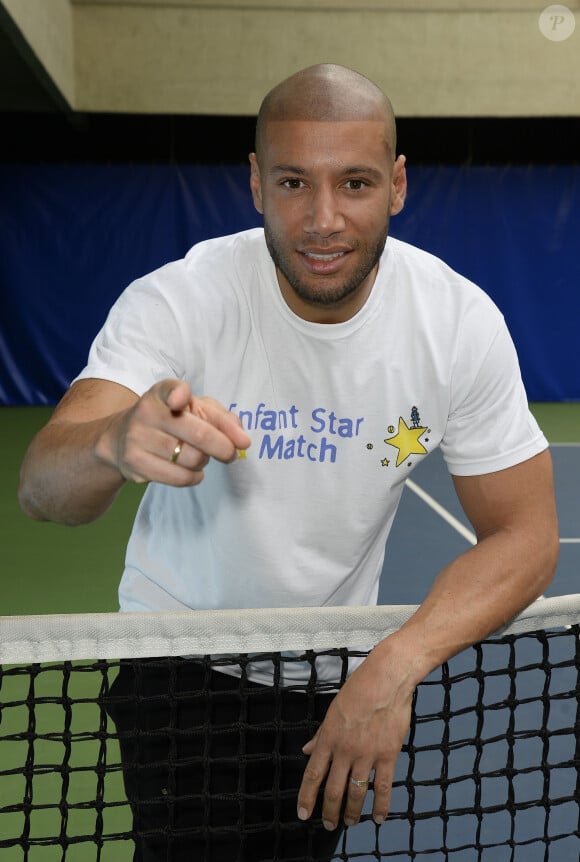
point(472, 597)
point(513, 513)
point(103, 435)
point(63, 478)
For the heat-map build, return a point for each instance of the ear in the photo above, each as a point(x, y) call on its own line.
point(256, 183)
point(398, 185)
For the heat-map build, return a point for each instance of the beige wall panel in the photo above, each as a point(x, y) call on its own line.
point(188, 59)
point(47, 27)
point(353, 5)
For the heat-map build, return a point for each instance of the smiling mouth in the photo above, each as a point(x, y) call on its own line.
point(324, 263)
point(324, 256)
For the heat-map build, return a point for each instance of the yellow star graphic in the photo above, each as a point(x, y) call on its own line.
point(242, 454)
point(406, 440)
point(385, 462)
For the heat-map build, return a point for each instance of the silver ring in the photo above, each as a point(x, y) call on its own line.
point(176, 452)
point(359, 782)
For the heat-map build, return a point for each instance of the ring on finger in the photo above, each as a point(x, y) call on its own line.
point(359, 782)
point(176, 452)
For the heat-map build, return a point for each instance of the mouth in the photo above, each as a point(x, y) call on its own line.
point(324, 262)
point(323, 255)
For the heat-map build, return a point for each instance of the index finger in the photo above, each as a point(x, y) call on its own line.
point(212, 429)
point(175, 393)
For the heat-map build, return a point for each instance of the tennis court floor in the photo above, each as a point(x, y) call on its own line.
point(50, 569)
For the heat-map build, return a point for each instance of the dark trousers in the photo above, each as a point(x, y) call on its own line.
point(212, 776)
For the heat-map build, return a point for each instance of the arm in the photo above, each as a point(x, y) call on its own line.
point(102, 435)
point(514, 515)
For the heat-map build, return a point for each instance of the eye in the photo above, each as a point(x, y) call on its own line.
point(355, 185)
point(292, 183)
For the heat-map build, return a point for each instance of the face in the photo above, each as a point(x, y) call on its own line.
point(327, 191)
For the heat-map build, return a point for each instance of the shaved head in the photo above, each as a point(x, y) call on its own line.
point(326, 93)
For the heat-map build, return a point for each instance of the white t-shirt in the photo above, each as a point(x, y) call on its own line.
point(339, 415)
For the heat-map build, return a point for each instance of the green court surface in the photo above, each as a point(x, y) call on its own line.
point(42, 767)
point(52, 569)
point(560, 422)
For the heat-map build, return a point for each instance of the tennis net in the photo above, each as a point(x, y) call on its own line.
point(490, 769)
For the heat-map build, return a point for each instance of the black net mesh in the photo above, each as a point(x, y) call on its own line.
point(211, 760)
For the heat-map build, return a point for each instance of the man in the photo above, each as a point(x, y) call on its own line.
point(342, 359)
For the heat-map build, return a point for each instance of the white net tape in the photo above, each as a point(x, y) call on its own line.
point(62, 637)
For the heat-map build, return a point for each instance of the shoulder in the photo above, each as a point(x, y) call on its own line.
point(429, 282)
point(413, 262)
point(233, 250)
point(206, 269)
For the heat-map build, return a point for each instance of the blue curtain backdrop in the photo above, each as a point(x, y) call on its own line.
point(73, 236)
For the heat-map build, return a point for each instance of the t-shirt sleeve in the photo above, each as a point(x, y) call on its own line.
point(142, 339)
point(490, 426)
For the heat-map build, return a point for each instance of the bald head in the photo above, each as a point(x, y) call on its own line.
point(326, 93)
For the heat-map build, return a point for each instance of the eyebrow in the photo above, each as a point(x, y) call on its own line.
point(352, 170)
point(287, 169)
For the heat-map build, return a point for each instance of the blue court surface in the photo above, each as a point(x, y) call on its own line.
point(430, 529)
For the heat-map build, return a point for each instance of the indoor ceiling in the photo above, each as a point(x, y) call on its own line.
point(24, 84)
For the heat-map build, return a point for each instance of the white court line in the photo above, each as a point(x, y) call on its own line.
point(442, 512)
point(562, 445)
point(452, 520)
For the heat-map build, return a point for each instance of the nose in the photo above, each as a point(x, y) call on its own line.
point(324, 216)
